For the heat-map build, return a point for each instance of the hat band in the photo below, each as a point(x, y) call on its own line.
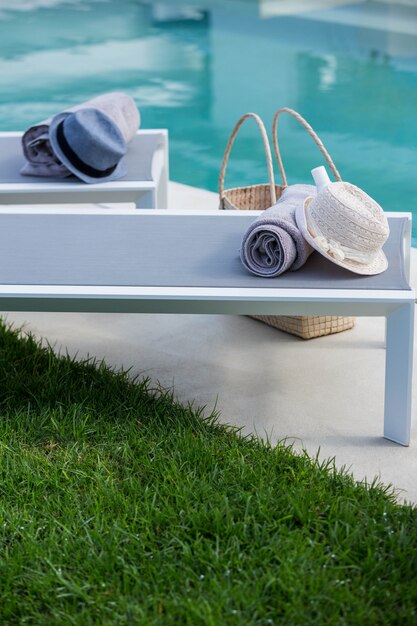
point(335, 249)
point(75, 160)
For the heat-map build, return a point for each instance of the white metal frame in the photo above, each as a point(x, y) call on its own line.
point(144, 194)
point(396, 305)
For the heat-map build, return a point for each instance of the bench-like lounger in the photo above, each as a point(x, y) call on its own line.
point(181, 262)
point(145, 184)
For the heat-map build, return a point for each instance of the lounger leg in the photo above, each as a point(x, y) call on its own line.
point(398, 374)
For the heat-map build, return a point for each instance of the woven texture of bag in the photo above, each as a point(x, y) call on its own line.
point(254, 198)
point(262, 196)
point(308, 327)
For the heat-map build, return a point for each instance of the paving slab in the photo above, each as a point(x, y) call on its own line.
point(324, 395)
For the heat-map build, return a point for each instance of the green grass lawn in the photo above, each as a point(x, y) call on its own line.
point(120, 506)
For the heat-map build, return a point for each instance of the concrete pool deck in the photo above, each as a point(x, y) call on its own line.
point(324, 395)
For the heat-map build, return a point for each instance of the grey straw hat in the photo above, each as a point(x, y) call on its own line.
point(347, 227)
point(89, 144)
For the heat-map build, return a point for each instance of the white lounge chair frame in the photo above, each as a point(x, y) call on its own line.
point(146, 186)
point(397, 306)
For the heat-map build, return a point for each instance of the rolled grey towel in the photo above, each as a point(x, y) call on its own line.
point(273, 244)
point(41, 160)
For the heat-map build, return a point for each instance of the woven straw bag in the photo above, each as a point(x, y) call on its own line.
point(254, 197)
point(263, 196)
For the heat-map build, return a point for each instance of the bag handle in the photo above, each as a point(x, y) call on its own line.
point(311, 132)
point(268, 155)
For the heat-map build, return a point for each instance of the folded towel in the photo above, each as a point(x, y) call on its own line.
point(41, 160)
point(273, 243)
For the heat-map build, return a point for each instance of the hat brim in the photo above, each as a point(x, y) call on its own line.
point(119, 172)
point(378, 265)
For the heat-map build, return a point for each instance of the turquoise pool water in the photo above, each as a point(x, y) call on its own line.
point(195, 67)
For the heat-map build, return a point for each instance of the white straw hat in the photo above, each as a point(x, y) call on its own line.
point(347, 227)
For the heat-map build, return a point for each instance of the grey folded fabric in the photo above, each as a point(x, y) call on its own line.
point(41, 160)
point(273, 243)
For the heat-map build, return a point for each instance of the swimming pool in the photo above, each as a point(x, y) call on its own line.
point(195, 67)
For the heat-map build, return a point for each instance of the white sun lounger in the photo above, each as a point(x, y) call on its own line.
point(145, 184)
point(180, 262)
